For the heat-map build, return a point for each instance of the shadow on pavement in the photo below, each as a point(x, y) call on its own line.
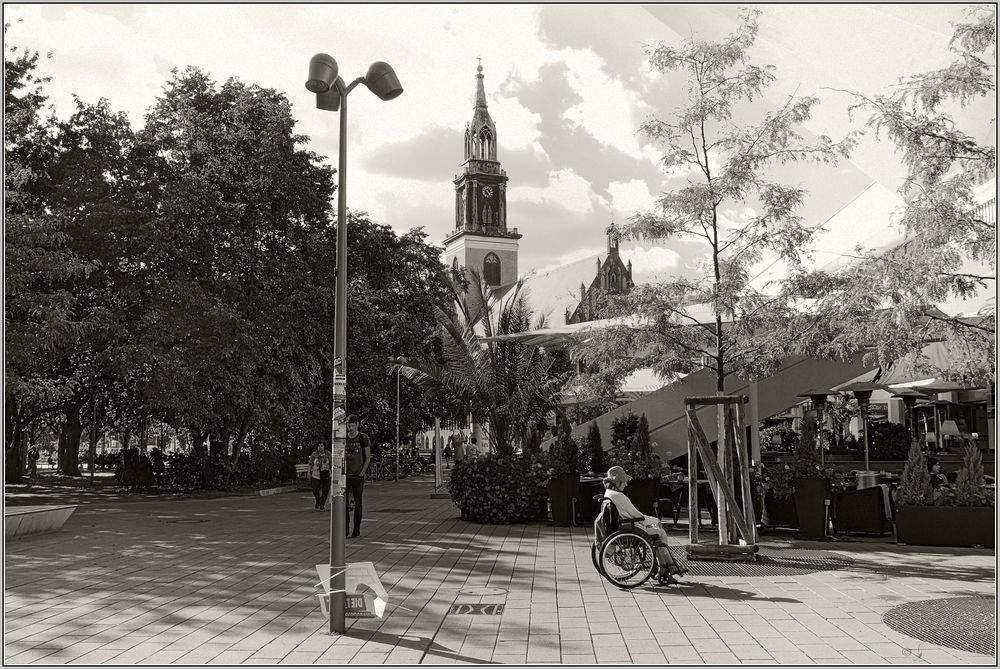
point(429, 647)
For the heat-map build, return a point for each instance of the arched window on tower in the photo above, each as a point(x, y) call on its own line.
point(486, 143)
point(491, 269)
point(614, 281)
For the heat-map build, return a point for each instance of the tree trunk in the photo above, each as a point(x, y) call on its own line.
point(14, 468)
point(238, 446)
point(72, 429)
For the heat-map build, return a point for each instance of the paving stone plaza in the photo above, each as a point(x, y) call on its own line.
point(232, 580)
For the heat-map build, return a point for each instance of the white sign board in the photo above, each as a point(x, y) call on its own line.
point(364, 593)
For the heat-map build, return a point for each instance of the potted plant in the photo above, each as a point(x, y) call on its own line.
point(814, 484)
point(564, 474)
point(778, 487)
point(961, 514)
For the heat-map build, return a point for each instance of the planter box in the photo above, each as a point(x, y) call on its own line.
point(779, 512)
point(586, 507)
point(561, 492)
point(946, 525)
point(643, 493)
point(811, 493)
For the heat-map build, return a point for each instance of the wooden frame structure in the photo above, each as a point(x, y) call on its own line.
point(725, 469)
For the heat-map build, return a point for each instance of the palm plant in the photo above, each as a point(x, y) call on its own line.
point(504, 383)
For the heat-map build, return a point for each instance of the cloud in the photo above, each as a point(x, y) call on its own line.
point(629, 197)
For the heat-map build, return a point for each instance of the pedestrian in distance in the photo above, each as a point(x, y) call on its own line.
point(319, 474)
point(357, 456)
point(33, 456)
point(447, 452)
point(459, 447)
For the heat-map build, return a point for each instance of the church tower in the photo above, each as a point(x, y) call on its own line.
point(481, 239)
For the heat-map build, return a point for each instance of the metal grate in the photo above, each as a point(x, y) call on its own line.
point(771, 562)
point(189, 520)
point(962, 623)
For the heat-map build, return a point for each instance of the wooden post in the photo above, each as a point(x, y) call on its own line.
point(693, 511)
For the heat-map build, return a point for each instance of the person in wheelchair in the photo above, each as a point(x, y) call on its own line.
point(614, 484)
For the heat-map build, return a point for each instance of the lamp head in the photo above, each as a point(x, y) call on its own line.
point(323, 72)
point(382, 81)
point(330, 100)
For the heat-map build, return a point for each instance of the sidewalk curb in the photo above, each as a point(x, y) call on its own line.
point(276, 491)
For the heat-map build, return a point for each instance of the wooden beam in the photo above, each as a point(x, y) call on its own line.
point(694, 513)
point(744, 463)
point(712, 469)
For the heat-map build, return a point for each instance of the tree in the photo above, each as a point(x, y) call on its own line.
point(505, 383)
point(745, 330)
point(38, 317)
point(884, 301)
point(235, 330)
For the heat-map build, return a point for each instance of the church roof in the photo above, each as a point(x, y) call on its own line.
point(553, 292)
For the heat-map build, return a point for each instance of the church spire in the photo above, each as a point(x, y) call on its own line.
point(481, 133)
point(480, 90)
point(614, 237)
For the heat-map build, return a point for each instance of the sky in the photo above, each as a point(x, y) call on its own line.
point(567, 86)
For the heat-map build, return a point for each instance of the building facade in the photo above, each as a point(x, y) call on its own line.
point(613, 277)
point(481, 240)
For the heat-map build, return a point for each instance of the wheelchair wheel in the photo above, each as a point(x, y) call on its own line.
point(627, 559)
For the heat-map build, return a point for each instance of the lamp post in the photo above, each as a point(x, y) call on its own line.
point(818, 398)
point(399, 363)
point(331, 95)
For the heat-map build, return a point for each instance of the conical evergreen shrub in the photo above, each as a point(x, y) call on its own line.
point(640, 444)
point(915, 484)
point(597, 459)
point(969, 489)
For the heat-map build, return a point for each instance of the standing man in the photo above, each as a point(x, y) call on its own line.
point(33, 462)
point(357, 455)
point(319, 474)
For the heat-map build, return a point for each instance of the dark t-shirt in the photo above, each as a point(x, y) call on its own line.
point(354, 453)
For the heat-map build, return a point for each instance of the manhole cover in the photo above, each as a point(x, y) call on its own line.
point(482, 592)
point(476, 609)
point(771, 562)
point(188, 520)
point(962, 623)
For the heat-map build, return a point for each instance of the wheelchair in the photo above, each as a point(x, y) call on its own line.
point(622, 553)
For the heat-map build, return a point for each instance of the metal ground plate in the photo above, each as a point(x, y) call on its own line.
point(772, 561)
point(962, 623)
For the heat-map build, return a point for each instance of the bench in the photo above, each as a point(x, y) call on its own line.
point(302, 471)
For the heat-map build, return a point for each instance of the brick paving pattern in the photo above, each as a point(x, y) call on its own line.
point(231, 581)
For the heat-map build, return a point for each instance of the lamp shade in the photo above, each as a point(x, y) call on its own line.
point(949, 428)
point(323, 72)
point(382, 81)
point(930, 438)
point(330, 100)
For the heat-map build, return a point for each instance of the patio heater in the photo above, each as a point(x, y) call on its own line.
point(862, 391)
point(818, 398)
point(910, 397)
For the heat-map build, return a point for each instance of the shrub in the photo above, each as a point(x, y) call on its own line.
point(594, 455)
point(623, 429)
point(640, 444)
point(915, 483)
point(887, 441)
point(969, 487)
point(789, 438)
point(564, 454)
point(499, 490)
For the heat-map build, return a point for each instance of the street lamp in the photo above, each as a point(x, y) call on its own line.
point(331, 95)
point(863, 393)
point(818, 398)
point(399, 362)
